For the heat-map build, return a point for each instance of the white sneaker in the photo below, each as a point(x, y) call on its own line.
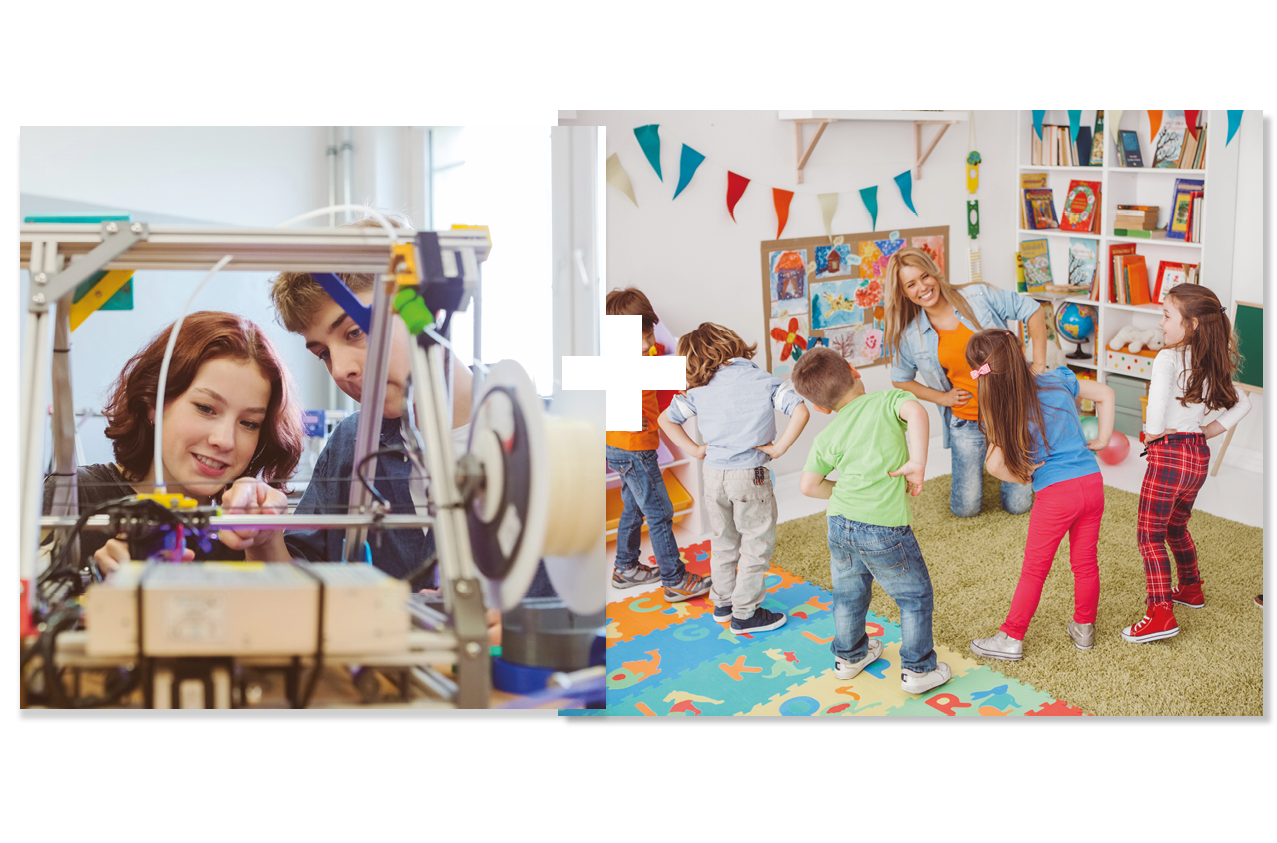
point(999, 646)
point(920, 683)
point(844, 669)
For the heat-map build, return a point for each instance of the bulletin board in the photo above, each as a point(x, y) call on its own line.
point(830, 291)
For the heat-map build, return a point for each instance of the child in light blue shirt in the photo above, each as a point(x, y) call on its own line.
point(735, 403)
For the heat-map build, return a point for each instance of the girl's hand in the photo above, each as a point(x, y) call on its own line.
point(1033, 469)
point(1101, 444)
point(771, 450)
point(110, 556)
point(250, 496)
point(955, 398)
point(1038, 368)
point(913, 472)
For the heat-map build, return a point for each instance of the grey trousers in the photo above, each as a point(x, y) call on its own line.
point(743, 518)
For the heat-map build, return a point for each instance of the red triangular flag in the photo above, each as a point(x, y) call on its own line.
point(1190, 117)
point(781, 200)
point(735, 189)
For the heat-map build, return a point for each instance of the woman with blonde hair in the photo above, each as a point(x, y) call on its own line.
point(929, 323)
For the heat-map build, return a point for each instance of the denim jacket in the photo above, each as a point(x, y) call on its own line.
point(919, 351)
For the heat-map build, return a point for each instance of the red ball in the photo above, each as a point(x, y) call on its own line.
point(1119, 446)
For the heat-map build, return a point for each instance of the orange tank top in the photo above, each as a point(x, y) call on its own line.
point(953, 357)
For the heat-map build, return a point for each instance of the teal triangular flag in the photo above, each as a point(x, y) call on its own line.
point(1234, 120)
point(905, 182)
point(651, 143)
point(869, 195)
point(1075, 122)
point(1037, 122)
point(687, 164)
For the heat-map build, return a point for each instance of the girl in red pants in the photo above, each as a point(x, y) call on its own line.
point(1192, 375)
point(1034, 435)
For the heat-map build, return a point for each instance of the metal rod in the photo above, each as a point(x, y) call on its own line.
point(66, 501)
point(269, 522)
point(347, 178)
point(32, 442)
point(371, 399)
point(441, 685)
point(332, 174)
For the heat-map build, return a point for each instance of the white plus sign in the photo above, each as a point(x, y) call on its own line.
point(624, 372)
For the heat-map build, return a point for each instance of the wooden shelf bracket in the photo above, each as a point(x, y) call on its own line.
point(804, 153)
point(920, 157)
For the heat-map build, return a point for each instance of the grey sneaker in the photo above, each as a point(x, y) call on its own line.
point(1000, 646)
point(638, 575)
point(688, 587)
point(1083, 634)
point(844, 669)
point(920, 683)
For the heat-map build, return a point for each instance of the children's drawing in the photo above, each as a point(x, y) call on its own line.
point(933, 246)
point(846, 341)
point(872, 263)
point(832, 261)
point(788, 338)
point(870, 348)
point(869, 294)
point(789, 279)
point(833, 303)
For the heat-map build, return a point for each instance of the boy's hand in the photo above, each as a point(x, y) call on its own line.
point(251, 496)
point(699, 451)
point(913, 472)
point(772, 450)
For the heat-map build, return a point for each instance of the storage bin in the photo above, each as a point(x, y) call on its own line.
point(1128, 421)
point(1129, 390)
point(1124, 361)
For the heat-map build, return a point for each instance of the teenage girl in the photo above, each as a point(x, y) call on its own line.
point(1034, 435)
point(1192, 375)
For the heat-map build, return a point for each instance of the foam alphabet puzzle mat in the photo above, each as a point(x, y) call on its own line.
point(673, 659)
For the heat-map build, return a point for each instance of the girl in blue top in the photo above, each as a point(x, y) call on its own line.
point(1035, 436)
point(929, 322)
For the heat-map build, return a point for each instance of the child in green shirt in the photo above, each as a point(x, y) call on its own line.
point(869, 533)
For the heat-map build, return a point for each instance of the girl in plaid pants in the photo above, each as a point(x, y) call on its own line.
point(1192, 375)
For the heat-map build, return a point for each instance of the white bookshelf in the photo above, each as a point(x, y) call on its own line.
point(1136, 186)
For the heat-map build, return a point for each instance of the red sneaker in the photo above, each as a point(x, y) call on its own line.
point(1158, 623)
point(1189, 595)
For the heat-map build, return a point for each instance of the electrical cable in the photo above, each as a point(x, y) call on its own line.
point(157, 462)
point(370, 211)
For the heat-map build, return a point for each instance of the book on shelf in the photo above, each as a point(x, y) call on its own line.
point(1020, 285)
point(1130, 143)
point(1177, 228)
point(1029, 181)
point(1187, 152)
point(1097, 140)
point(1117, 251)
point(1081, 211)
point(1170, 138)
point(1194, 216)
point(1134, 287)
point(1081, 265)
point(1136, 216)
point(1039, 207)
point(1082, 147)
point(1199, 160)
point(1143, 233)
point(1171, 274)
point(1037, 264)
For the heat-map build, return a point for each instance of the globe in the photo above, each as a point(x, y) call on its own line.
point(1076, 322)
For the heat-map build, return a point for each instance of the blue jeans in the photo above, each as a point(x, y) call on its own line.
point(861, 553)
point(966, 492)
point(643, 495)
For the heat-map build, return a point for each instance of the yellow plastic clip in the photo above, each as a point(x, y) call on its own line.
point(99, 295)
point(403, 264)
point(170, 500)
point(486, 233)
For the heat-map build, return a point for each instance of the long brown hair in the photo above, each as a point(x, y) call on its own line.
point(1209, 339)
point(1009, 399)
point(707, 348)
point(900, 311)
point(206, 335)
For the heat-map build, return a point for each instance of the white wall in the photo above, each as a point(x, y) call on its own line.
point(697, 265)
point(1248, 256)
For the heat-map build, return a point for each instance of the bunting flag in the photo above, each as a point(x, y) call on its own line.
point(781, 199)
point(905, 182)
point(617, 177)
point(869, 195)
point(1190, 117)
point(828, 205)
point(1075, 122)
point(687, 164)
point(1234, 120)
point(735, 190)
point(1037, 122)
point(1155, 123)
point(1112, 120)
point(650, 141)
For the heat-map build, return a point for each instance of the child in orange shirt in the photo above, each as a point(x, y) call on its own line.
point(633, 456)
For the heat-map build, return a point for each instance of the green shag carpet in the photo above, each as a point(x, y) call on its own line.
point(1213, 667)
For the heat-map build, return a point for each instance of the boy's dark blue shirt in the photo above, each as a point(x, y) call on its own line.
point(397, 552)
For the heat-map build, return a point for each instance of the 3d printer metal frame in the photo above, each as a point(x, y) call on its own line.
point(60, 256)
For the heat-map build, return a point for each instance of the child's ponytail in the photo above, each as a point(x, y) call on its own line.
point(1007, 395)
point(1209, 339)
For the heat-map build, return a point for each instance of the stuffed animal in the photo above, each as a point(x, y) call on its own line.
point(1137, 339)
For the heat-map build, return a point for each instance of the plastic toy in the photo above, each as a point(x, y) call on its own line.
point(1119, 446)
point(1090, 427)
